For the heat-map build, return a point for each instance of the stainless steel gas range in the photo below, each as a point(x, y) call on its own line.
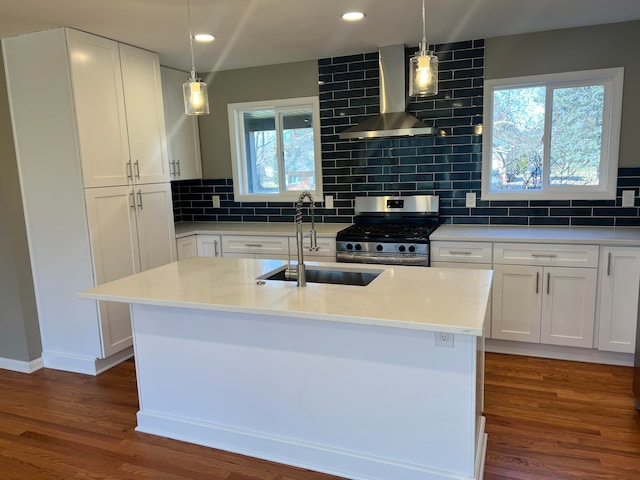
point(389, 231)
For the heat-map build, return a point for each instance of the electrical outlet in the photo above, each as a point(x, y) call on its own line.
point(628, 198)
point(444, 339)
point(215, 199)
point(471, 200)
point(328, 201)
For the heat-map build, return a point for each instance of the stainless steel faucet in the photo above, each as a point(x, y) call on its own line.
point(300, 274)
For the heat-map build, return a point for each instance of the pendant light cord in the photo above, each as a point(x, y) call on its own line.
point(424, 29)
point(193, 63)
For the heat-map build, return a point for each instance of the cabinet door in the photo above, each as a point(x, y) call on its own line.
point(516, 303)
point(145, 115)
point(568, 306)
point(183, 139)
point(186, 247)
point(209, 246)
point(619, 283)
point(99, 104)
point(156, 231)
point(112, 230)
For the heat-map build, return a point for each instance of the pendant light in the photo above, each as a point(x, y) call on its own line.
point(423, 68)
point(196, 99)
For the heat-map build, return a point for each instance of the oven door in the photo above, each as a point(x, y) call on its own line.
point(383, 258)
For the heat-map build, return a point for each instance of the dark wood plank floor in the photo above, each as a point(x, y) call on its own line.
point(546, 420)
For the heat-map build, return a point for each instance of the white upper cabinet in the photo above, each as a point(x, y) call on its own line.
point(119, 111)
point(145, 115)
point(183, 138)
point(100, 111)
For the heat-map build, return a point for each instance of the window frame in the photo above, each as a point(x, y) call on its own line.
point(241, 188)
point(612, 79)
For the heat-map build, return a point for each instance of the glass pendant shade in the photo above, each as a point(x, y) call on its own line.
point(196, 99)
point(423, 74)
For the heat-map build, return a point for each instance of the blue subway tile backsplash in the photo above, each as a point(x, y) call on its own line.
point(447, 166)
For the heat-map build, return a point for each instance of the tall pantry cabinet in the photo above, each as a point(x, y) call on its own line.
point(90, 141)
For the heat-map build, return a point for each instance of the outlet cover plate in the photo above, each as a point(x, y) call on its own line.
point(471, 200)
point(628, 198)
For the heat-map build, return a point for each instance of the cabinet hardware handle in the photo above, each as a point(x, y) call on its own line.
point(215, 248)
point(137, 169)
point(252, 245)
point(140, 199)
point(459, 252)
point(609, 264)
point(133, 200)
point(550, 255)
point(548, 281)
point(129, 171)
point(178, 163)
point(537, 282)
point(172, 168)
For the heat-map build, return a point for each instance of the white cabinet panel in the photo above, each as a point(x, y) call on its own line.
point(516, 303)
point(99, 107)
point(255, 245)
point(186, 247)
point(156, 231)
point(546, 254)
point(619, 286)
point(568, 306)
point(209, 246)
point(183, 138)
point(145, 114)
point(461, 252)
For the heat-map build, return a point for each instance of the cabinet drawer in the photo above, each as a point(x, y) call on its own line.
point(327, 247)
point(545, 254)
point(461, 252)
point(255, 244)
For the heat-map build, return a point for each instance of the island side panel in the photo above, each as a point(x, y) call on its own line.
point(354, 400)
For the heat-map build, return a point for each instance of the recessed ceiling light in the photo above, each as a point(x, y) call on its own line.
point(204, 37)
point(352, 16)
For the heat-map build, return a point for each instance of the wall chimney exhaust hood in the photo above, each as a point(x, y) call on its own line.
point(393, 120)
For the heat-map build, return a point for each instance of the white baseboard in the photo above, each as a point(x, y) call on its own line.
point(316, 457)
point(556, 352)
point(85, 365)
point(20, 366)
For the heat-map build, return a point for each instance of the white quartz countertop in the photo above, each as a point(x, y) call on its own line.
point(434, 299)
point(184, 229)
point(622, 236)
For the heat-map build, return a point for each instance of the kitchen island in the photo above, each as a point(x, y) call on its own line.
point(345, 379)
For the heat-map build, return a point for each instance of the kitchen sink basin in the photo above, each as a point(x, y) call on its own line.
point(333, 276)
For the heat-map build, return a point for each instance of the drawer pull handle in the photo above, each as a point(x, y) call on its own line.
point(548, 282)
point(258, 245)
point(549, 255)
point(609, 264)
point(537, 282)
point(460, 252)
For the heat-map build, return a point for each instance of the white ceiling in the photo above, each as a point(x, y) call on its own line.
point(262, 32)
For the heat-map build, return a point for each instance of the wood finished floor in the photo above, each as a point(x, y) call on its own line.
point(546, 419)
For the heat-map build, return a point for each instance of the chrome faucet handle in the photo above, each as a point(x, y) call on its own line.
point(314, 241)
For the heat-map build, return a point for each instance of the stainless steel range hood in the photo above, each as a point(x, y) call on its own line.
point(392, 121)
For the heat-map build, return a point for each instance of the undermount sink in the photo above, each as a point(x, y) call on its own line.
point(324, 275)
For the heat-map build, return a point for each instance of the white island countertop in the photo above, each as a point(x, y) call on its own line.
point(432, 299)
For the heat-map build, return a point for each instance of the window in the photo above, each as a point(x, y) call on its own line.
point(552, 136)
point(275, 147)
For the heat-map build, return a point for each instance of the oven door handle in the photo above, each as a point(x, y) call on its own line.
point(411, 260)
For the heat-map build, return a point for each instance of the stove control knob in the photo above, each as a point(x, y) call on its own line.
point(349, 246)
point(379, 248)
point(412, 249)
point(401, 248)
point(358, 246)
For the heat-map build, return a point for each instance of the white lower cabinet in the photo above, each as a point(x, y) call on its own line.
point(249, 246)
point(545, 302)
point(131, 230)
point(325, 253)
point(619, 284)
point(187, 247)
point(209, 246)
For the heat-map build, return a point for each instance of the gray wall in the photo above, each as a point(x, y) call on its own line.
point(287, 80)
point(585, 48)
point(19, 330)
